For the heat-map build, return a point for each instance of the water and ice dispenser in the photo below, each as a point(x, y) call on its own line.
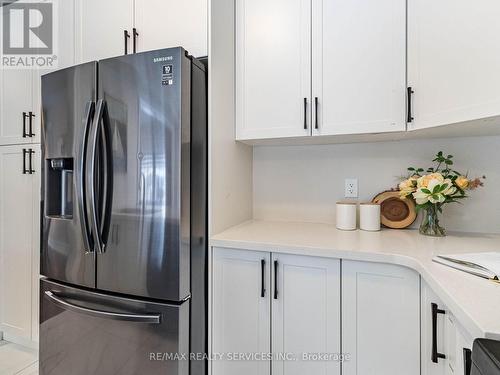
point(59, 188)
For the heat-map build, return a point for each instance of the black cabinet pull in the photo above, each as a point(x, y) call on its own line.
point(316, 124)
point(263, 278)
point(126, 37)
point(305, 113)
point(30, 161)
point(24, 124)
point(275, 279)
point(31, 115)
point(134, 39)
point(24, 161)
point(435, 355)
point(409, 92)
point(467, 361)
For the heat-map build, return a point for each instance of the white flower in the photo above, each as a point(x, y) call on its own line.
point(436, 191)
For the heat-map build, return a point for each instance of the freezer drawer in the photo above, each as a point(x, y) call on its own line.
point(83, 333)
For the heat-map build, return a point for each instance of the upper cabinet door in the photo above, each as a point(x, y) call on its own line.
point(359, 66)
point(241, 310)
point(453, 60)
point(273, 68)
point(305, 313)
point(16, 104)
point(380, 319)
point(100, 28)
point(163, 24)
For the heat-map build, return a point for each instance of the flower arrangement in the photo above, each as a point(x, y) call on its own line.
point(439, 186)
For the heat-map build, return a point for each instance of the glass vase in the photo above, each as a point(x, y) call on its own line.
point(430, 222)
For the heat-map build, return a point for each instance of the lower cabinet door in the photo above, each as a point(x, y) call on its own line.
point(438, 334)
point(241, 312)
point(19, 197)
point(380, 319)
point(305, 315)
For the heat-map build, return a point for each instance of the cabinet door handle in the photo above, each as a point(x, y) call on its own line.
point(275, 279)
point(24, 161)
point(134, 39)
point(316, 123)
point(305, 113)
point(467, 361)
point(409, 92)
point(31, 115)
point(435, 355)
point(30, 161)
point(24, 124)
point(263, 278)
point(126, 37)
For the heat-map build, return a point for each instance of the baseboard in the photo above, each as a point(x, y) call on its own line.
point(19, 340)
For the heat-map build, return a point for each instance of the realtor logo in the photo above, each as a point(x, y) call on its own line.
point(28, 30)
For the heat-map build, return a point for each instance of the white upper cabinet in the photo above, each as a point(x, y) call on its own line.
point(273, 68)
point(305, 313)
point(162, 24)
point(241, 310)
point(101, 27)
point(16, 106)
point(453, 60)
point(359, 66)
point(380, 319)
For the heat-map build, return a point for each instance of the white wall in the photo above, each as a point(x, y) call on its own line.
point(230, 162)
point(302, 183)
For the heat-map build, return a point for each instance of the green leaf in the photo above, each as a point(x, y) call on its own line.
point(443, 187)
point(440, 153)
point(426, 191)
point(448, 162)
point(411, 169)
point(436, 189)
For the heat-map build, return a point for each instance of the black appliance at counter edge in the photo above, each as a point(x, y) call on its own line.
point(124, 216)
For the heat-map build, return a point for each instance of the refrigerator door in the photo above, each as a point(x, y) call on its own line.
point(68, 105)
point(146, 99)
point(83, 332)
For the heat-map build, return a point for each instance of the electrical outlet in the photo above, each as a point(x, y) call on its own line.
point(351, 188)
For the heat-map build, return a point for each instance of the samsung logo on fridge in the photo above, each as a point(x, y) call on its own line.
point(160, 59)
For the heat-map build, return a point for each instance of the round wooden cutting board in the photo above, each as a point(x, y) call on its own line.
point(395, 212)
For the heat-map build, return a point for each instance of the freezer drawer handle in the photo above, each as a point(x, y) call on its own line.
point(435, 355)
point(136, 318)
point(275, 279)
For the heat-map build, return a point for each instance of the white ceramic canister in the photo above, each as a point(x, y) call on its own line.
point(369, 216)
point(346, 213)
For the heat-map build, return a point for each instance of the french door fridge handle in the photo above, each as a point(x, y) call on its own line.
point(136, 318)
point(81, 190)
point(94, 140)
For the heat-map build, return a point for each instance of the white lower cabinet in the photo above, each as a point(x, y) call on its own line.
point(307, 311)
point(380, 319)
point(241, 310)
point(444, 342)
point(305, 314)
point(19, 241)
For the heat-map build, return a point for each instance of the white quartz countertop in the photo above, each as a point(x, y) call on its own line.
point(474, 301)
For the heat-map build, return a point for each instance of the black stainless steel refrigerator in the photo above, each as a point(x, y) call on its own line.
point(124, 216)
